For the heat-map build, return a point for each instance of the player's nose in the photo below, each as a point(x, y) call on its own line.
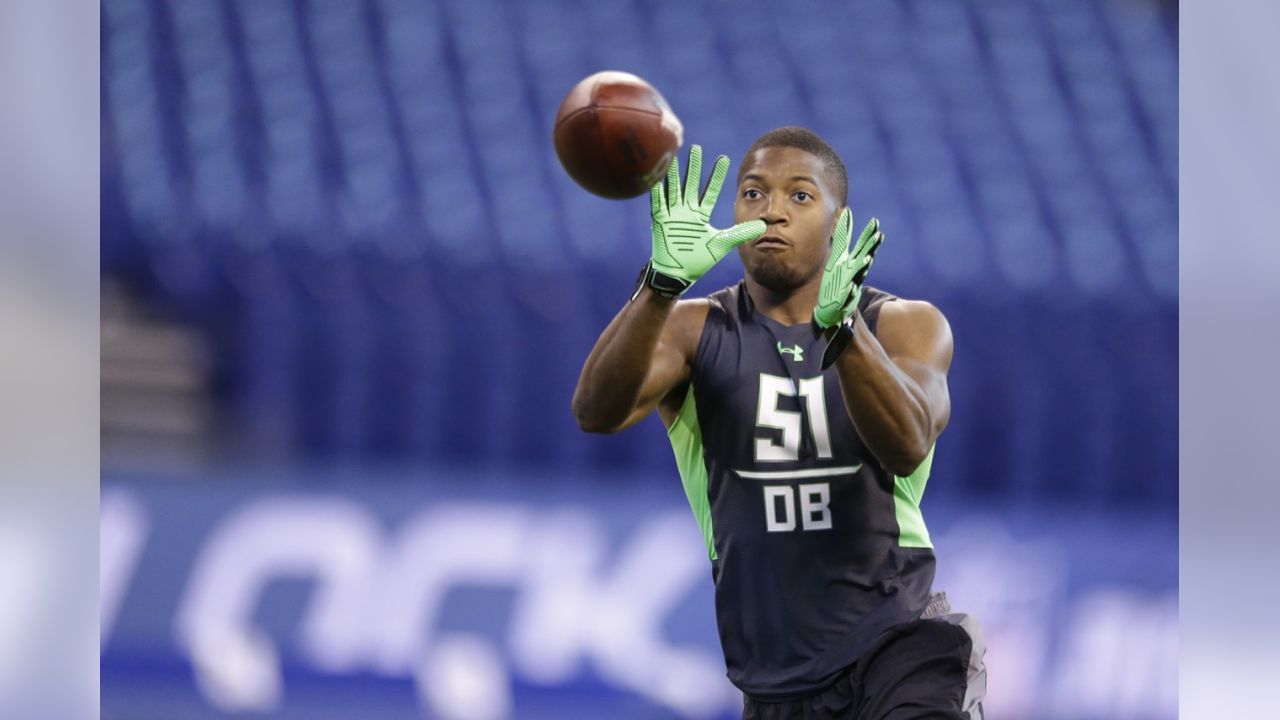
point(772, 212)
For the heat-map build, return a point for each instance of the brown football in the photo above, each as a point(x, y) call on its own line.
point(615, 134)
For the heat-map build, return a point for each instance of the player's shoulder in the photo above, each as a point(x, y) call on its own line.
point(721, 304)
point(690, 317)
point(912, 311)
point(685, 325)
point(691, 310)
point(915, 320)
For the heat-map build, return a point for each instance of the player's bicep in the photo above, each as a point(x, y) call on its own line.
point(672, 364)
point(917, 338)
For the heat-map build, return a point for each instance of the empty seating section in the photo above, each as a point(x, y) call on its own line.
point(360, 203)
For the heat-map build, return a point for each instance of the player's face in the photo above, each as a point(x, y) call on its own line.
point(787, 188)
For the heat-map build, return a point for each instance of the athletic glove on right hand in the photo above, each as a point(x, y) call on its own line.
point(845, 271)
point(685, 246)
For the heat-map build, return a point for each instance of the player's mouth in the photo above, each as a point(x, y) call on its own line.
point(771, 242)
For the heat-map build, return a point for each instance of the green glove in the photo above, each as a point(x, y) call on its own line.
point(845, 271)
point(685, 246)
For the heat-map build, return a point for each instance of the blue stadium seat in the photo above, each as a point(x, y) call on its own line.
point(361, 202)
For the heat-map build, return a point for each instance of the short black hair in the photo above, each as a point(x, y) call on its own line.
point(808, 141)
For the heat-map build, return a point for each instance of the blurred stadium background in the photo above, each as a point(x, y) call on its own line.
point(347, 291)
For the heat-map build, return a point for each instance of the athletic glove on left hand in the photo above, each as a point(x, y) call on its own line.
point(846, 271)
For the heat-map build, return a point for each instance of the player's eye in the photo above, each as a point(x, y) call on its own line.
point(751, 194)
point(802, 196)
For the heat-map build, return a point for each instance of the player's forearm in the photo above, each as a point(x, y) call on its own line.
point(889, 409)
point(615, 371)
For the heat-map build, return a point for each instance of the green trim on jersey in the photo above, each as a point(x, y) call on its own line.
point(686, 440)
point(907, 492)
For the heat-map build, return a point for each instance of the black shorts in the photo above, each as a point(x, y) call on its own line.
point(925, 669)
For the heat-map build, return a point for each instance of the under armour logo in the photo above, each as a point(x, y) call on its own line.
point(796, 353)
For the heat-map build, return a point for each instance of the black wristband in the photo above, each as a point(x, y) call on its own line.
point(838, 343)
point(661, 283)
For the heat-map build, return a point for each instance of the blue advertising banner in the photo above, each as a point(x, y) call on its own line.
point(465, 596)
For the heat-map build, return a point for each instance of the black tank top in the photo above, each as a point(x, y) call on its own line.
point(815, 548)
